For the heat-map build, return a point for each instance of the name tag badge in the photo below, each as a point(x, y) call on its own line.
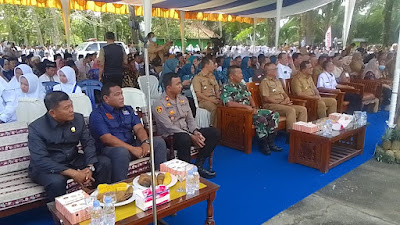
point(205, 87)
point(125, 112)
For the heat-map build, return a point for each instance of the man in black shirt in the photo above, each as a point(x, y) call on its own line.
point(52, 142)
point(112, 58)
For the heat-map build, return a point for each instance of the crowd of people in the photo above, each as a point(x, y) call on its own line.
point(115, 134)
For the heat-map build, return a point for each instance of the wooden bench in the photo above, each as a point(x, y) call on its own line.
point(236, 124)
point(17, 192)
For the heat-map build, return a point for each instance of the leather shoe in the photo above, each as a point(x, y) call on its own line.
point(206, 174)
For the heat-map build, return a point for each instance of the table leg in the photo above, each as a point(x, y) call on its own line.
point(210, 210)
point(325, 156)
point(360, 140)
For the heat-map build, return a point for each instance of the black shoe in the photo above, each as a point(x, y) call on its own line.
point(271, 143)
point(264, 148)
point(205, 173)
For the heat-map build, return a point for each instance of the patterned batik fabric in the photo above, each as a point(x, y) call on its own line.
point(265, 121)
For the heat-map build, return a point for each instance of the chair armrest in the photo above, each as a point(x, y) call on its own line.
point(328, 95)
point(311, 104)
point(298, 101)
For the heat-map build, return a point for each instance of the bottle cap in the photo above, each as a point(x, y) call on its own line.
point(107, 199)
point(96, 203)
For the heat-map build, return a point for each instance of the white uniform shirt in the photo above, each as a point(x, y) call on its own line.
point(46, 77)
point(284, 72)
point(8, 103)
point(326, 80)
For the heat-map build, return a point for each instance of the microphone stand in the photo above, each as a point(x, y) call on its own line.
point(153, 175)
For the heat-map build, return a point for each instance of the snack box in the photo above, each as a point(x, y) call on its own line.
point(310, 128)
point(76, 212)
point(175, 167)
point(144, 198)
point(298, 125)
point(64, 200)
point(335, 116)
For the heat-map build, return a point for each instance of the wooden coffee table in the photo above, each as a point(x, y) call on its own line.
point(325, 152)
point(206, 193)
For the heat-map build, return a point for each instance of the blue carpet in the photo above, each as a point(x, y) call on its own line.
point(253, 188)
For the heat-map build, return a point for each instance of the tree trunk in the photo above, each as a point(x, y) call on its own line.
point(309, 27)
point(132, 20)
point(387, 21)
point(37, 27)
point(56, 32)
point(23, 29)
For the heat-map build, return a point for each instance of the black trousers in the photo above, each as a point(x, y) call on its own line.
point(192, 106)
point(113, 78)
point(55, 184)
point(183, 142)
point(355, 102)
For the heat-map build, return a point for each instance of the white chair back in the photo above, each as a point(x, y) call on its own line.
point(196, 103)
point(134, 97)
point(154, 90)
point(81, 103)
point(30, 109)
point(203, 116)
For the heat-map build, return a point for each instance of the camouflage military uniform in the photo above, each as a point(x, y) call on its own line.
point(265, 121)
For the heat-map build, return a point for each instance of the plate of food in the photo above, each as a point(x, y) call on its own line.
point(163, 178)
point(123, 193)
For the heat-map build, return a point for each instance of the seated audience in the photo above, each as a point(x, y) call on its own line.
point(30, 87)
point(8, 103)
point(83, 66)
point(337, 67)
point(297, 60)
point(51, 73)
point(173, 116)
point(284, 68)
point(372, 72)
point(114, 126)
point(356, 65)
point(317, 69)
point(14, 84)
point(274, 97)
point(207, 89)
point(327, 83)
point(54, 156)
point(6, 72)
point(235, 94)
point(67, 81)
point(220, 76)
point(303, 85)
point(131, 73)
point(247, 71)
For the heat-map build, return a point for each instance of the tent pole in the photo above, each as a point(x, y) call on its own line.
point(147, 4)
point(348, 16)
point(67, 24)
point(182, 23)
point(278, 22)
point(395, 89)
point(254, 35)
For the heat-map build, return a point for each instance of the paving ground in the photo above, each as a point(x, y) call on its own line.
point(368, 195)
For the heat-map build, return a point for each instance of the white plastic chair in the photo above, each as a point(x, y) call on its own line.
point(81, 103)
point(203, 117)
point(134, 97)
point(30, 109)
point(154, 90)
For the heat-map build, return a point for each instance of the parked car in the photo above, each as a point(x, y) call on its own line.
point(94, 46)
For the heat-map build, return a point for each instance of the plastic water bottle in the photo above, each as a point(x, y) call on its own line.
point(108, 211)
point(196, 175)
point(96, 214)
point(190, 182)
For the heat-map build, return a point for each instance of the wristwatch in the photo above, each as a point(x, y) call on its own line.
point(91, 167)
point(146, 141)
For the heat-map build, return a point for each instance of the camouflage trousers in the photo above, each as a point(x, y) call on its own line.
point(265, 121)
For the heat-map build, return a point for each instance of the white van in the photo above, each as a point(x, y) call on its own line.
point(94, 46)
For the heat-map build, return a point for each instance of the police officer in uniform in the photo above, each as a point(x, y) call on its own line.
point(207, 89)
point(275, 98)
point(303, 85)
point(174, 117)
point(235, 94)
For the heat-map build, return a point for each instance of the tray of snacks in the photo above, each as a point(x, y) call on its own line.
point(123, 193)
point(163, 178)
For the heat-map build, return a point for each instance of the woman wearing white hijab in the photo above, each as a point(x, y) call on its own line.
point(18, 71)
point(30, 87)
point(68, 81)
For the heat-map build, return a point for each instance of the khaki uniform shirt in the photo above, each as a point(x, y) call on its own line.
point(303, 84)
point(316, 72)
point(271, 87)
point(206, 84)
point(173, 116)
